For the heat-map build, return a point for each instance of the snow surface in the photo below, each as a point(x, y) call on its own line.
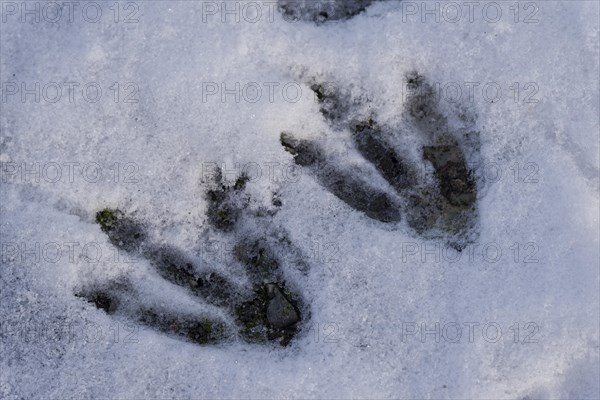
point(365, 297)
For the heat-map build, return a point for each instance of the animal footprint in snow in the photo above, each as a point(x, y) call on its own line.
point(265, 310)
point(438, 203)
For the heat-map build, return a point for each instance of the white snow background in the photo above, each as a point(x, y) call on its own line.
point(362, 303)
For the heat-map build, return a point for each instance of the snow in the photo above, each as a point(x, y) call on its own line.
point(381, 284)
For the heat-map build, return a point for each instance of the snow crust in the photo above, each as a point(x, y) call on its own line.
point(373, 290)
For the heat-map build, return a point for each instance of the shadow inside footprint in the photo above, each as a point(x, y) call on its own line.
point(450, 206)
point(175, 267)
point(270, 315)
point(225, 203)
point(348, 187)
point(121, 299)
point(123, 232)
point(377, 148)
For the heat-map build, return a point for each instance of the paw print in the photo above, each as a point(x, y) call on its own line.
point(437, 203)
point(265, 311)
